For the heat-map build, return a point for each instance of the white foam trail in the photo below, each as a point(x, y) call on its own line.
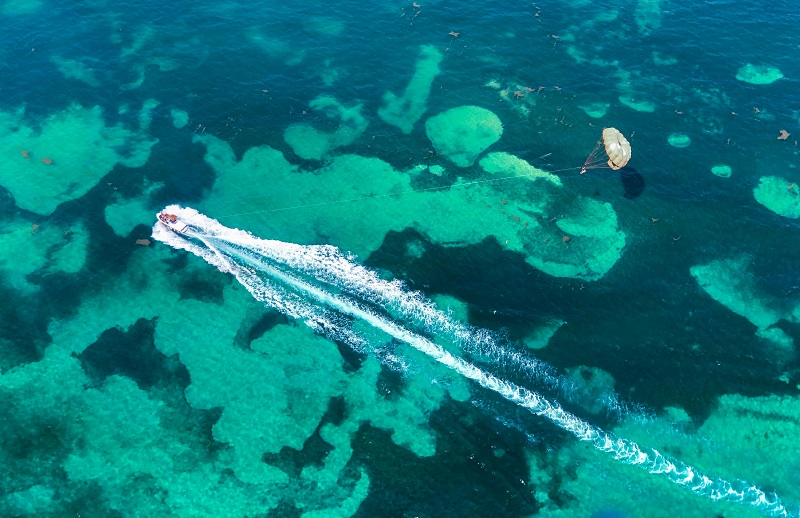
point(273, 295)
point(620, 449)
point(328, 264)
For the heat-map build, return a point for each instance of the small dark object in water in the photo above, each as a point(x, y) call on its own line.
point(632, 182)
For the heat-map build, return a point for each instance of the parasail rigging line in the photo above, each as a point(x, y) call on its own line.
point(612, 151)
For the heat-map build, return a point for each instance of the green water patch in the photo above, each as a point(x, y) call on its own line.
point(126, 213)
point(76, 70)
point(591, 387)
point(131, 454)
point(578, 480)
point(595, 110)
point(758, 74)
point(261, 413)
point(463, 133)
point(180, 118)
point(742, 429)
point(722, 170)
point(146, 113)
point(404, 111)
point(745, 428)
point(33, 500)
point(275, 48)
point(679, 140)
point(436, 170)
point(40, 247)
point(139, 70)
point(310, 143)
point(279, 374)
point(66, 156)
point(637, 104)
point(730, 282)
point(328, 205)
point(38, 398)
point(648, 15)
point(559, 233)
point(452, 306)
point(70, 256)
point(674, 434)
point(500, 163)
point(285, 379)
point(662, 60)
point(44, 442)
point(778, 195)
point(325, 26)
point(143, 291)
point(595, 241)
point(540, 337)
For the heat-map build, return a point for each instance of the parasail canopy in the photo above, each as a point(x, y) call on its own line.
point(612, 150)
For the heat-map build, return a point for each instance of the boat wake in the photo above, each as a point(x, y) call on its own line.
point(327, 290)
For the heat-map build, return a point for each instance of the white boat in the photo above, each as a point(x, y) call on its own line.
point(172, 222)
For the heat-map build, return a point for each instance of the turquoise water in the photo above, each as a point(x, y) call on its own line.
point(661, 300)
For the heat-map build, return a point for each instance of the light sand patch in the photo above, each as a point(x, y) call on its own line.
point(146, 113)
point(405, 111)
point(638, 104)
point(310, 143)
point(722, 170)
point(124, 215)
point(39, 247)
point(77, 70)
point(595, 110)
point(353, 201)
point(648, 16)
point(758, 74)
point(463, 133)
point(778, 195)
point(679, 140)
point(68, 154)
point(180, 118)
point(730, 282)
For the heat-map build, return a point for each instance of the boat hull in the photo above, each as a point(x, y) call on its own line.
point(174, 224)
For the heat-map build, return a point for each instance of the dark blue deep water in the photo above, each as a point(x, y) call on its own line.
point(136, 380)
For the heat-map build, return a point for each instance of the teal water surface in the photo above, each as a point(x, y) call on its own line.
point(137, 380)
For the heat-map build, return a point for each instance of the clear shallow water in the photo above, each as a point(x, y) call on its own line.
point(244, 74)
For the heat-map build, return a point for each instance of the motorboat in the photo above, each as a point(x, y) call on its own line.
point(172, 222)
